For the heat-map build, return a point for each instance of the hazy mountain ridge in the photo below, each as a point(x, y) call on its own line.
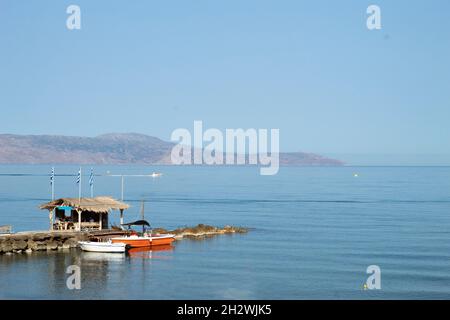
point(111, 148)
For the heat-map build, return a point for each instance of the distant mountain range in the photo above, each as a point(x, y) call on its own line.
point(112, 148)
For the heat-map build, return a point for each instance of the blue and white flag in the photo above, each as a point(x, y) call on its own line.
point(91, 178)
point(52, 176)
point(79, 176)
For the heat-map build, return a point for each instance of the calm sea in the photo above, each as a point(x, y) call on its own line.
point(314, 232)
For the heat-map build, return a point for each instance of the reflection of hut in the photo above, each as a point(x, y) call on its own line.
point(82, 214)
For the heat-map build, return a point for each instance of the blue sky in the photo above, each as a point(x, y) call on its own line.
point(310, 68)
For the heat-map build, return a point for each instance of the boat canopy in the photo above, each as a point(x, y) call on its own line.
point(137, 223)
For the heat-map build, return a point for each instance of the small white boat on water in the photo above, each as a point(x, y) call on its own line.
point(156, 174)
point(103, 246)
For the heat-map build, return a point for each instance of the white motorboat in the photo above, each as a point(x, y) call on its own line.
point(156, 174)
point(103, 246)
point(147, 239)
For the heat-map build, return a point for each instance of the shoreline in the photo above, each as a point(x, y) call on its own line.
point(30, 241)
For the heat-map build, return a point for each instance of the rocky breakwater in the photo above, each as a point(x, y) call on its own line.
point(39, 241)
point(201, 231)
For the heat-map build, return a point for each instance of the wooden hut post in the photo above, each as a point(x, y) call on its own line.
point(79, 219)
point(121, 216)
point(51, 213)
point(100, 222)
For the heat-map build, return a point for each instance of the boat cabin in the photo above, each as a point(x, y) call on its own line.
point(82, 214)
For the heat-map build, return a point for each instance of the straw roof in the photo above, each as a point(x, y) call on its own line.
point(97, 204)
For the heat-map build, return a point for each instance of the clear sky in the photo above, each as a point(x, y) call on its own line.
point(310, 68)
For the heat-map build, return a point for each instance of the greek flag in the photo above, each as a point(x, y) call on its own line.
point(79, 176)
point(52, 176)
point(91, 178)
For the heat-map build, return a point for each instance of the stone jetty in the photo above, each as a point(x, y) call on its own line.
point(27, 242)
point(40, 241)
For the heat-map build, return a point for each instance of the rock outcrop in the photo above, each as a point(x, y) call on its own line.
point(201, 230)
point(39, 241)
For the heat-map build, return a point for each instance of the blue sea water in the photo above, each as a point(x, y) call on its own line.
point(314, 231)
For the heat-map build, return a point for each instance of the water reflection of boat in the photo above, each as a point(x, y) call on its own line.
point(148, 251)
point(101, 256)
point(166, 247)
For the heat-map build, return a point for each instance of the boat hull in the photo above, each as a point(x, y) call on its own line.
point(162, 240)
point(133, 243)
point(106, 247)
point(148, 241)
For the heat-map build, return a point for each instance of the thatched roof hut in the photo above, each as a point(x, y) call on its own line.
point(97, 204)
point(84, 213)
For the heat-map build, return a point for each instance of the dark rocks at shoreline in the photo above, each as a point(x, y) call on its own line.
point(201, 230)
point(39, 241)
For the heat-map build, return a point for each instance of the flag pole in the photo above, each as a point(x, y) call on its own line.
point(79, 189)
point(91, 182)
point(53, 183)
